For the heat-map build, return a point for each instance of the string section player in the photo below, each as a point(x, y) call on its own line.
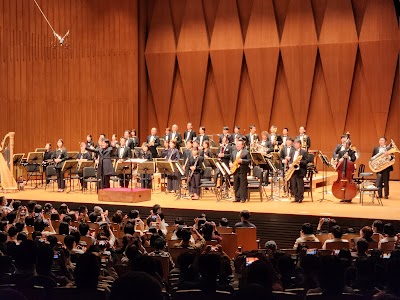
point(195, 163)
point(240, 167)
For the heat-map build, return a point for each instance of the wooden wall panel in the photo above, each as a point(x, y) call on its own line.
point(329, 65)
point(48, 93)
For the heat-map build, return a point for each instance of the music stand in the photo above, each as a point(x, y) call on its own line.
point(214, 151)
point(325, 164)
point(165, 168)
point(159, 151)
point(123, 168)
point(40, 150)
point(181, 171)
point(17, 159)
point(274, 174)
point(137, 151)
point(224, 193)
point(67, 167)
point(146, 168)
point(72, 155)
point(36, 159)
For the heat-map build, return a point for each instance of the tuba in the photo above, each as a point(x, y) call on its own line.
point(381, 161)
point(295, 166)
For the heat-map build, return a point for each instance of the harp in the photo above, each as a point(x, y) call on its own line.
point(8, 182)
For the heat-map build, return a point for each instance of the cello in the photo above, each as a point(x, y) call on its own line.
point(344, 187)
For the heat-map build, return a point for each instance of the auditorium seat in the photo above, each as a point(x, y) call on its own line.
point(247, 238)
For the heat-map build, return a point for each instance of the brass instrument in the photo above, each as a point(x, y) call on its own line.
point(295, 166)
point(304, 142)
point(381, 161)
point(235, 165)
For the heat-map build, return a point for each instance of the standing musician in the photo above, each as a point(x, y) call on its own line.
point(202, 137)
point(297, 179)
point(175, 136)
point(286, 153)
point(340, 147)
point(305, 139)
point(242, 157)
point(187, 153)
point(145, 179)
point(274, 139)
point(195, 165)
point(47, 158)
point(104, 167)
point(224, 155)
point(135, 138)
point(154, 141)
point(252, 137)
point(173, 156)
point(124, 153)
point(129, 141)
point(189, 134)
point(83, 155)
point(236, 134)
point(225, 133)
point(264, 143)
point(114, 152)
point(59, 156)
point(382, 178)
point(285, 132)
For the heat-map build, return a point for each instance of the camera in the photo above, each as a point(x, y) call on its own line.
point(250, 260)
point(311, 251)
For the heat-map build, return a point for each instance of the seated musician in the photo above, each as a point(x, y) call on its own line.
point(145, 179)
point(339, 147)
point(252, 137)
point(175, 136)
point(166, 148)
point(274, 138)
point(195, 165)
point(89, 141)
point(114, 152)
point(236, 134)
point(135, 138)
point(114, 138)
point(202, 137)
point(285, 135)
point(305, 139)
point(166, 136)
point(225, 133)
point(83, 155)
point(124, 153)
point(206, 151)
point(154, 142)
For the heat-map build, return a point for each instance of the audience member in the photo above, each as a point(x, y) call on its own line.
point(306, 235)
point(244, 220)
point(337, 233)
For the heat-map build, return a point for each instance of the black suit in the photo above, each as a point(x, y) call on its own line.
point(382, 177)
point(173, 179)
point(104, 167)
point(124, 153)
point(297, 179)
point(248, 138)
point(196, 174)
point(153, 149)
point(308, 140)
point(189, 135)
point(351, 154)
point(201, 138)
point(177, 138)
point(240, 176)
point(63, 155)
point(145, 179)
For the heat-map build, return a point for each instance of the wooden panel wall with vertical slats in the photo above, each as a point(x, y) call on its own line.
point(331, 65)
point(49, 93)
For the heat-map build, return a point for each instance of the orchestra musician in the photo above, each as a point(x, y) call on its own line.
point(153, 141)
point(114, 138)
point(297, 179)
point(206, 151)
point(124, 153)
point(102, 137)
point(59, 156)
point(114, 152)
point(189, 134)
point(129, 141)
point(236, 133)
point(225, 133)
point(286, 153)
point(285, 132)
point(83, 155)
point(89, 141)
point(166, 135)
point(346, 152)
point(265, 143)
point(242, 156)
point(274, 139)
point(173, 156)
point(165, 150)
point(382, 177)
point(135, 138)
point(202, 137)
point(187, 153)
point(252, 137)
point(195, 165)
point(47, 158)
point(339, 148)
point(104, 167)
point(305, 139)
point(145, 179)
point(175, 136)
point(224, 155)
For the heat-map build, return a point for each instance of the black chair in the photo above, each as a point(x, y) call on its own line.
point(51, 176)
point(255, 185)
point(89, 176)
point(308, 183)
point(207, 183)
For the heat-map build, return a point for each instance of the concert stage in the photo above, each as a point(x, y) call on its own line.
point(271, 217)
point(124, 195)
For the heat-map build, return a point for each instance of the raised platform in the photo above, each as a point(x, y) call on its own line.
point(124, 195)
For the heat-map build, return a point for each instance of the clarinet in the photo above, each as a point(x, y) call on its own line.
point(192, 171)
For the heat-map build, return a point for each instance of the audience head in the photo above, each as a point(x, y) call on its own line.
point(331, 275)
point(64, 228)
point(87, 271)
point(377, 226)
point(307, 228)
point(133, 214)
point(39, 225)
point(271, 246)
point(337, 232)
point(388, 230)
point(223, 222)
point(366, 232)
point(245, 215)
point(362, 246)
point(83, 229)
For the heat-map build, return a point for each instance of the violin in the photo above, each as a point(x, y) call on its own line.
point(344, 187)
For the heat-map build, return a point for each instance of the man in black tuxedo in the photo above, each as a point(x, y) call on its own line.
point(382, 177)
point(225, 133)
point(175, 136)
point(236, 134)
point(129, 140)
point(124, 153)
point(285, 155)
point(305, 139)
point(242, 156)
point(285, 135)
point(189, 134)
point(274, 138)
point(252, 137)
point(202, 137)
point(154, 141)
point(297, 179)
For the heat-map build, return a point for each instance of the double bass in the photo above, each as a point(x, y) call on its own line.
point(344, 187)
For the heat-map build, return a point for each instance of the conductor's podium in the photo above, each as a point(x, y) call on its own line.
point(124, 195)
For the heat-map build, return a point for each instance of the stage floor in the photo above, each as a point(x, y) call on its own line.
point(330, 207)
